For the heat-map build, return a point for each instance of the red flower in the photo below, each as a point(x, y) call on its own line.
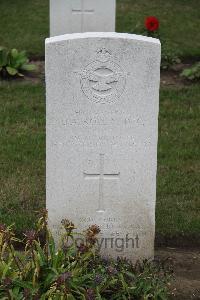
point(151, 23)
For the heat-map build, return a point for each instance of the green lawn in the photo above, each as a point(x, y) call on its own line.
point(178, 188)
point(22, 153)
point(24, 24)
point(179, 21)
point(22, 157)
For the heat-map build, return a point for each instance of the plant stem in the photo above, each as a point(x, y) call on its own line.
point(14, 257)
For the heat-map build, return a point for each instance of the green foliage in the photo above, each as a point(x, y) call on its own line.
point(192, 73)
point(71, 270)
point(169, 56)
point(13, 62)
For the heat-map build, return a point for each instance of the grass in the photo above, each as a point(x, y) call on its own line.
point(178, 189)
point(179, 21)
point(22, 157)
point(24, 24)
point(22, 153)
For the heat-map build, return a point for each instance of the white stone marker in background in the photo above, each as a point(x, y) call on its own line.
point(71, 16)
point(102, 118)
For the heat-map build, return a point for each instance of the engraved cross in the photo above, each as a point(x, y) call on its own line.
point(82, 10)
point(101, 176)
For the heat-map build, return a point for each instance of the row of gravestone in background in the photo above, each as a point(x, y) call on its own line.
point(71, 16)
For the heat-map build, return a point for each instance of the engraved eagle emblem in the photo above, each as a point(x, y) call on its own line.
point(102, 83)
point(103, 80)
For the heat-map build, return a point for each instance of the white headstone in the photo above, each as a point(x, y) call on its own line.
point(71, 16)
point(102, 130)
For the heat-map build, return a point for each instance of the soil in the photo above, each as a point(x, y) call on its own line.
point(172, 78)
point(185, 264)
point(169, 78)
point(186, 241)
point(35, 77)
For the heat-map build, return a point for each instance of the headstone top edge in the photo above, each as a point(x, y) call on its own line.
point(77, 36)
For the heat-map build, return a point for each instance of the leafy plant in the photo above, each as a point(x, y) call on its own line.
point(169, 56)
point(71, 270)
point(192, 73)
point(14, 62)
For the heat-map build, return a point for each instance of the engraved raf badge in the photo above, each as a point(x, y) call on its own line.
point(103, 80)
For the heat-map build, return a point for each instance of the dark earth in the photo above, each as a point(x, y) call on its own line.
point(185, 264)
point(169, 78)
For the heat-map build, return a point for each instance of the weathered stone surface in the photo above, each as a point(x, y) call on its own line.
point(72, 16)
point(102, 119)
